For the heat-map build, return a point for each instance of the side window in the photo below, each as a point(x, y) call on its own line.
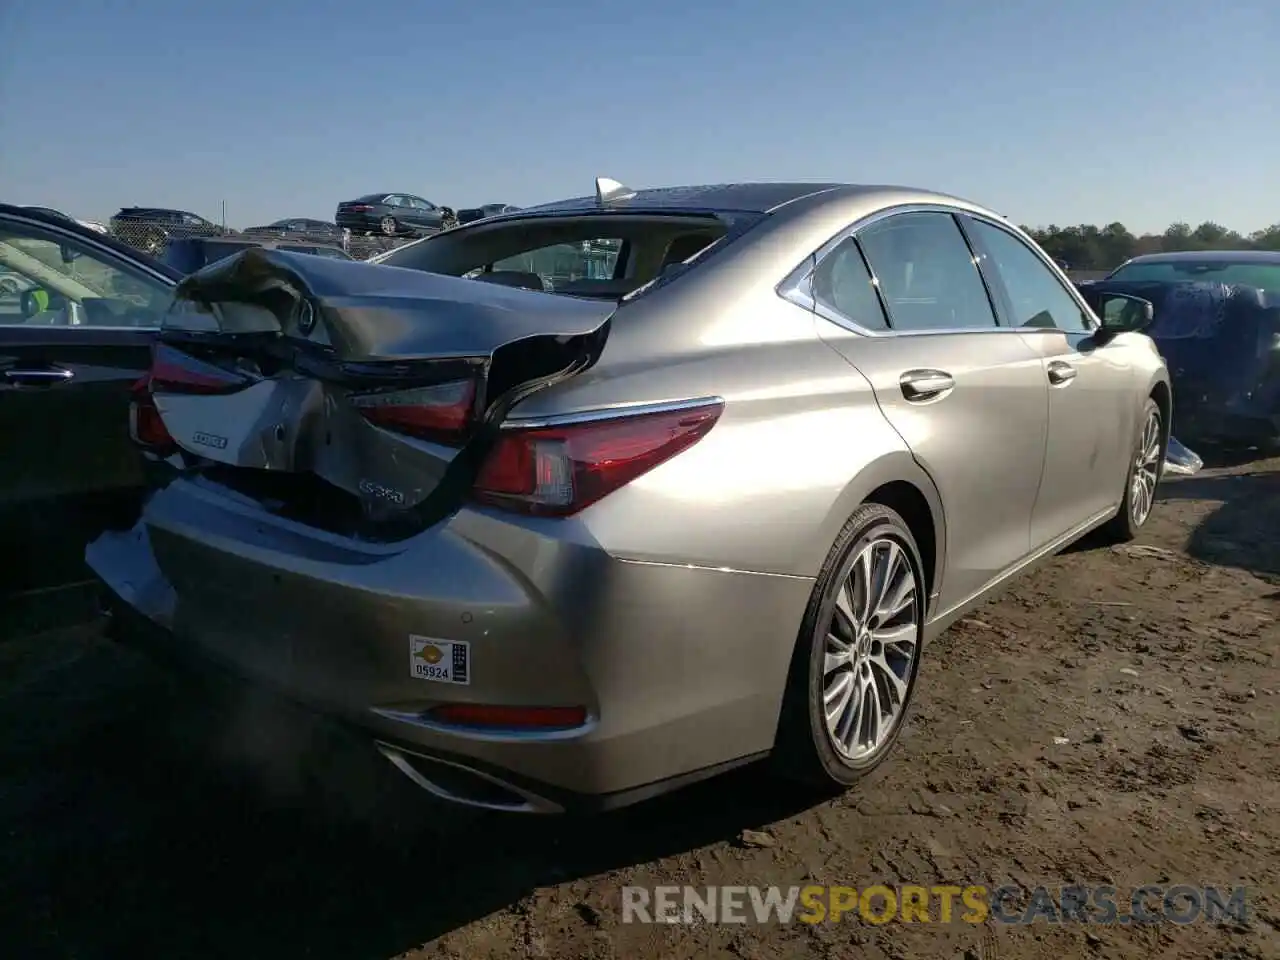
point(1036, 296)
point(56, 280)
point(423, 204)
point(926, 272)
point(394, 200)
point(842, 283)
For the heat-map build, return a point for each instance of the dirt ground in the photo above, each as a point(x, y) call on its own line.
point(142, 820)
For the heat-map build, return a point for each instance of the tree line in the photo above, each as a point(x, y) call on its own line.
point(1089, 247)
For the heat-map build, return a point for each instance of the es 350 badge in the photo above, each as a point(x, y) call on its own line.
point(445, 661)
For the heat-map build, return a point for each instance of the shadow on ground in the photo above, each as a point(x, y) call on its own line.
point(141, 822)
point(1244, 531)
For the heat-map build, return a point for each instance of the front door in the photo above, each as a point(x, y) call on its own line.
point(968, 398)
point(77, 318)
point(1092, 414)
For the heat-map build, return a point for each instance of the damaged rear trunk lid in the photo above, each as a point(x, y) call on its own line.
point(355, 396)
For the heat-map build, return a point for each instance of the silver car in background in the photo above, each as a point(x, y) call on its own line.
point(563, 533)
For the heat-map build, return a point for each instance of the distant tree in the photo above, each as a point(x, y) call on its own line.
point(1089, 247)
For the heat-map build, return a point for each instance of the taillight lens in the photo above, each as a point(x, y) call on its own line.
point(146, 427)
point(359, 207)
point(557, 471)
point(173, 371)
point(442, 413)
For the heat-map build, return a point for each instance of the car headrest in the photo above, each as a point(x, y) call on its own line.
point(591, 287)
point(513, 278)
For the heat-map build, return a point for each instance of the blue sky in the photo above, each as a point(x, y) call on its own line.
point(1066, 112)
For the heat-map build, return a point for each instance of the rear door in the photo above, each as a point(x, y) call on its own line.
point(77, 318)
point(1093, 393)
point(967, 397)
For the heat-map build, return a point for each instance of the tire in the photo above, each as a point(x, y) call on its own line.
point(806, 749)
point(388, 226)
point(1133, 515)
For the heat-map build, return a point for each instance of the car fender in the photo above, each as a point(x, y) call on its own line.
point(897, 466)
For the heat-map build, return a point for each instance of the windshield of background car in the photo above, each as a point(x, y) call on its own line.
point(609, 255)
point(1265, 276)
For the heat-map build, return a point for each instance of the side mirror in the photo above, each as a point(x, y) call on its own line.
point(1120, 312)
point(68, 254)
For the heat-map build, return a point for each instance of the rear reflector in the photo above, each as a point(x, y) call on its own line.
point(509, 718)
point(146, 427)
point(442, 413)
point(173, 371)
point(557, 471)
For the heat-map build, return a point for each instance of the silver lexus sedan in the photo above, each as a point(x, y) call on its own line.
point(573, 505)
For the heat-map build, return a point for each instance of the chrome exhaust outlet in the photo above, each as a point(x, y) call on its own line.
point(456, 783)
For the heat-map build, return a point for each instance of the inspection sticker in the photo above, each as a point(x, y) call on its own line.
point(445, 661)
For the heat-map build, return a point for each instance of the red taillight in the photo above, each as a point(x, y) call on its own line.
point(441, 413)
point(359, 207)
point(173, 371)
point(146, 428)
point(556, 471)
point(508, 718)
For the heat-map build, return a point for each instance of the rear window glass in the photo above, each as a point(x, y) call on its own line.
point(1265, 276)
point(563, 263)
point(586, 255)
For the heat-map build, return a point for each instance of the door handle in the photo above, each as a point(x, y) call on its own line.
point(1060, 373)
point(42, 375)
point(920, 385)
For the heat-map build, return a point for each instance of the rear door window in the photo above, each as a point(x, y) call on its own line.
point(926, 272)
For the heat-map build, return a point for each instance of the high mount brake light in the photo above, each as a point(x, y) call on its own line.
point(173, 371)
point(146, 428)
point(560, 470)
point(442, 413)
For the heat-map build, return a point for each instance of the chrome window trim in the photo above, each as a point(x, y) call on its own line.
point(102, 250)
point(796, 287)
point(609, 413)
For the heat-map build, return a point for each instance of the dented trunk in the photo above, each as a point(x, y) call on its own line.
point(351, 395)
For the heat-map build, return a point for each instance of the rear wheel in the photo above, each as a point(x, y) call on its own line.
point(854, 671)
point(1145, 469)
point(388, 226)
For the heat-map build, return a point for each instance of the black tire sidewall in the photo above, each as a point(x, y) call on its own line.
point(871, 522)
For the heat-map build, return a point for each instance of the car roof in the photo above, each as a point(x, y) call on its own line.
point(755, 198)
point(1209, 256)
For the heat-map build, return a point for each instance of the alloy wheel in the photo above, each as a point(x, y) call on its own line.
point(1146, 471)
point(388, 226)
point(871, 646)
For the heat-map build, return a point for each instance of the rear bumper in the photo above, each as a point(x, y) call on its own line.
point(681, 670)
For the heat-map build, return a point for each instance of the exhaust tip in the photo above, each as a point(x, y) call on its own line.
point(456, 783)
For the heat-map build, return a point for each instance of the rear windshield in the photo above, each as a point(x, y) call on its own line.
point(1265, 276)
point(597, 255)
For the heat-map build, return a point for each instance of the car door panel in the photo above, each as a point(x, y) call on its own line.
point(903, 301)
point(1092, 423)
point(981, 438)
point(66, 375)
point(69, 469)
point(1091, 388)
